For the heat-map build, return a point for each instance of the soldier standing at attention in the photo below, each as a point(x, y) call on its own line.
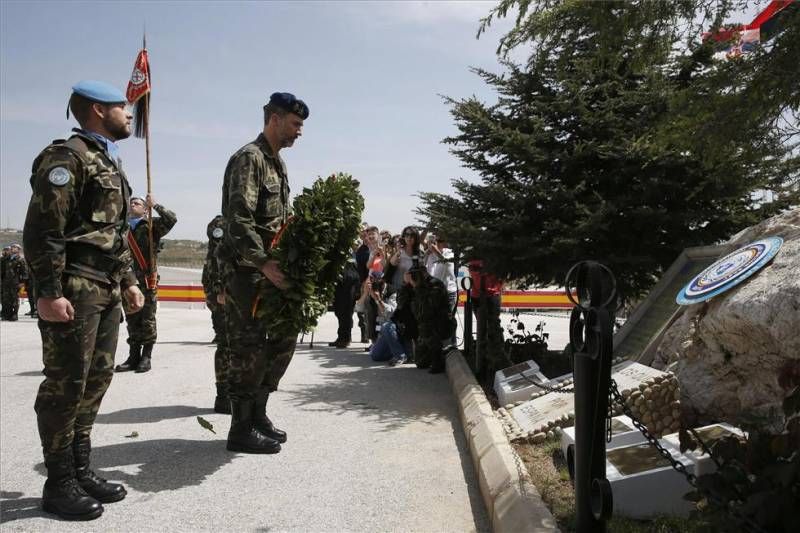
point(74, 238)
point(15, 273)
point(255, 203)
point(3, 262)
point(142, 330)
point(215, 301)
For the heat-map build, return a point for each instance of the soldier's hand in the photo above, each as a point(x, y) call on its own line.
point(221, 298)
point(150, 200)
point(55, 309)
point(134, 297)
point(272, 272)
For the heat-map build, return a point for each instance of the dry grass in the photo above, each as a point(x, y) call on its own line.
point(549, 473)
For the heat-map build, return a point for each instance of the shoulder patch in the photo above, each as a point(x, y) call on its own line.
point(217, 233)
point(59, 176)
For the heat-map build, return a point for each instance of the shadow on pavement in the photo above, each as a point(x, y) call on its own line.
point(395, 396)
point(14, 507)
point(141, 415)
point(160, 464)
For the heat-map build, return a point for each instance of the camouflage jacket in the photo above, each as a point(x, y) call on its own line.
point(78, 216)
point(14, 271)
point(255, 203)
point(212, 280)
point(431, 308)
point(161, 226)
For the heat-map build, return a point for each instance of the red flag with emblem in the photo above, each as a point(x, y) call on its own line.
point(138, 92)
point(140, 78)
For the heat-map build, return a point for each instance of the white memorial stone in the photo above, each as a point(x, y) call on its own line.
point(518, 382)
point(623, 432)
point(644, 484)
point(535, 414)
point(709, 435)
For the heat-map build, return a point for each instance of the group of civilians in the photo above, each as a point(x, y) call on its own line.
point(403, 290)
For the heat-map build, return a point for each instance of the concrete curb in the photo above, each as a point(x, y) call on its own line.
point(512, 501)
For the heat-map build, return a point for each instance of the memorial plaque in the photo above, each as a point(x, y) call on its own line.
point(534, 414)
point(514, 370)
point(636, 459)
point(709, 435)
point(623, 433)
point(644, 484)
point(630, 375)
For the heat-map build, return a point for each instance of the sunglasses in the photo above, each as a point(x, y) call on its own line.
point(408, 234)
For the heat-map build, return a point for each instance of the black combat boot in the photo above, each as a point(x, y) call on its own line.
point(243, 437)
point(144, 362)
point(133, 359)
point(97, 487)
point(63, 495)
point(262, 422)
point(222, 403)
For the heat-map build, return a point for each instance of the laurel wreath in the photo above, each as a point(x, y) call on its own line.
point(312, 249)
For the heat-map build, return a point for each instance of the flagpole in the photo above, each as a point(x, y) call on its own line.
point(149, 188)
point(153, 268)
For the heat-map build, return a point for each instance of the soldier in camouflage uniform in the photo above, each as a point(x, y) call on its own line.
point(435, 323)
point(255, 203)
point(15, 273)
point(74, 239)
point(215, 301)
point(142, 330)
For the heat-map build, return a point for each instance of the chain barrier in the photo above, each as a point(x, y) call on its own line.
point(730, 506)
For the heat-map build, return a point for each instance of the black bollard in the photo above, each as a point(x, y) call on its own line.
point(591, 340)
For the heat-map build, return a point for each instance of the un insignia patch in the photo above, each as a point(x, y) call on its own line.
point(59, 176)
point(217, 233)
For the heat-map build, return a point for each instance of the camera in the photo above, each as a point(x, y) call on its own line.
point(415, 261)
point(378, 285)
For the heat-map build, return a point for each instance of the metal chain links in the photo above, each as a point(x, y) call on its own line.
point(730, 506)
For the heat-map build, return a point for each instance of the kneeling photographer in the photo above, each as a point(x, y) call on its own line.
point(394, 322)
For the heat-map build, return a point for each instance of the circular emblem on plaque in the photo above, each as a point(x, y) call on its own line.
point(217, 233)
point(729, 271)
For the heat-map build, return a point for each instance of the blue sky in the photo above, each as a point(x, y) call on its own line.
point(371, 72)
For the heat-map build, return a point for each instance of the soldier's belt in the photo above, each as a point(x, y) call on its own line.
point(90, 258)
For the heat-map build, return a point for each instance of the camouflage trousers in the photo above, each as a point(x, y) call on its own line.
point(78, 361)
point(9, 299)
point(256, 361)
point(142, 325)
point(222, 354)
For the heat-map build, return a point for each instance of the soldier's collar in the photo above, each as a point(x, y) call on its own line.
point(262, 143)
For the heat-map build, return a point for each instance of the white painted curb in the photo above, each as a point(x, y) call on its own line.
point(512, 501)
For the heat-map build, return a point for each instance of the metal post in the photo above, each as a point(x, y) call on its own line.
point(591, 340)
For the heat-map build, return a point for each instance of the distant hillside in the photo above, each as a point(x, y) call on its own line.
point(176, 252)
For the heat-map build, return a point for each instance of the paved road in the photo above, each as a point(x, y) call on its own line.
point(371, 448)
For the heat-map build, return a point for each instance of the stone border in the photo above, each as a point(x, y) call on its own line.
point(512, 501)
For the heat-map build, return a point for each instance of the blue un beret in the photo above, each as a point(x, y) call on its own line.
point(99, 91)
point(291, 104)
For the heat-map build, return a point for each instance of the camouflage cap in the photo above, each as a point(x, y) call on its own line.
point(290, 103)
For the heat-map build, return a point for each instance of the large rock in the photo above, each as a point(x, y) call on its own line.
point(728, 351)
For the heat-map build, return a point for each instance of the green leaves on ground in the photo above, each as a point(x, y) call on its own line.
point(206, 424)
